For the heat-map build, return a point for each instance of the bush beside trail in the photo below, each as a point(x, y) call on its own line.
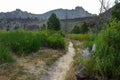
point(5, 55)
point(108, 51)
point(105, 62)
point(25, 42)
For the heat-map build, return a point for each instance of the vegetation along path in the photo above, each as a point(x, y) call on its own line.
point(59, 70)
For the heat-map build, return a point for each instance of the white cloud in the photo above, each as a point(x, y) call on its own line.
point(41, 6)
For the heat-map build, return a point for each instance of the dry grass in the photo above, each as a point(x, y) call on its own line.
point(30, 67)
point(71, 72)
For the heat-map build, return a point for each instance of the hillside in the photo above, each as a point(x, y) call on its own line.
point(96, 22)
point(17, 14)
point(78, 12)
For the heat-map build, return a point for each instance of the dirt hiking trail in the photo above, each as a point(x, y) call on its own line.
point(59, 70)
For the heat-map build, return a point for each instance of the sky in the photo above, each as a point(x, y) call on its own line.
point(42, 6)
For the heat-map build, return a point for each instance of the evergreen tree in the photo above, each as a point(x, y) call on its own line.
point(76, 29)
point(81, 29)
point(43, 27)
point(116, 11)
point(53, 22)
point(84, 27)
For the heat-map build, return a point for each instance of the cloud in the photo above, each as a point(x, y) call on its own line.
point(41, 6)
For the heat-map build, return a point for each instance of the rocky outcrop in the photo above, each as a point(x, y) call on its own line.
point(17, 14)
point(78, 12)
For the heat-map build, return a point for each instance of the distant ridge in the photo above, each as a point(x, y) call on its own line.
point(17, 14)
point(78, 12)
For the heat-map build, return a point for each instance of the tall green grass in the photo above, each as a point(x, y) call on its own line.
point(108, 51)
point(25, 42)
point(53, 39)
point(56, 41)
point(80, 37)
point(5, 54)
point(89, 42)
point(21, 41)
point(107, 57)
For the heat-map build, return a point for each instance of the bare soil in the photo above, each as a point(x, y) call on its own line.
point(30, 67)
point(61, 67)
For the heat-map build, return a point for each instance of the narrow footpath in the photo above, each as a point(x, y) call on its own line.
point(59, 70)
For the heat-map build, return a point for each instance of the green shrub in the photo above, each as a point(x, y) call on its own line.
point(107, 57)
point(76, 30)
point(116, 12)
point(108, 51)
point(82, 29)
point(89, 65)
point(5, 54)
point(53, 39)
point(89, 43)
point(21, 41)
point(56, 41)
point(27, 42)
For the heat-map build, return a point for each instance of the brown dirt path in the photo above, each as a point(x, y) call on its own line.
point(59, 70)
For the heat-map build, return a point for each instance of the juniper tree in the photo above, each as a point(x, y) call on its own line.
point(53, 22)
